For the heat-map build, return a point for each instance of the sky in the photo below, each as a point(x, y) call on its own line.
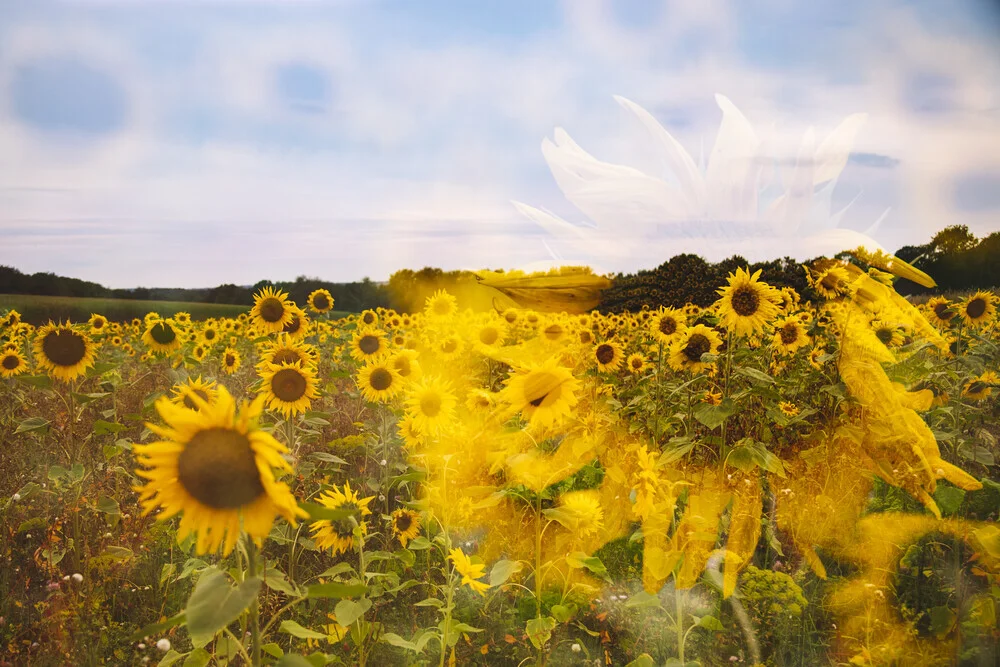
point(187, 144)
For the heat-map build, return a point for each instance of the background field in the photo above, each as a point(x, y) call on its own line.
point(40, 309)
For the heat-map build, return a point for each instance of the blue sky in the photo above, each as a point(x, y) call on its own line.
point(170, 143)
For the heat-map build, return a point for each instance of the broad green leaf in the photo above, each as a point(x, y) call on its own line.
point(198, 658)
point(948, 498)
point(393, 639)
point(169, 658)
point(712, 416)
point(564, 612)
point(32, 424)
point(644, 660)
point(277, 581)
point(339, 568)
point(419, 543)
point(502, 571)
point(214, 604)
point(108, 505)
point(642, 600)
point(710, 623)
point(539, 630)
point(296, 630)
point(406, 557)
point(272, 650)
point(348, 611)
point(102, 427)
point(755, 375)
point(579, 559)
point(37, 381)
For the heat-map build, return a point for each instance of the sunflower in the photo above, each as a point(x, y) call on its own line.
point(831, 282)
point(199, 353)
point(298, 327)
point(747, 304)
point(553, 331)
point(271, 310)
point(479, 400)
point(98, 323)
point(978, 310)
point(406, 364)
point(441, 305)
point(320, 301)
point(450, 346)
point(609, 356)
point(491, 334)
point(687, 350)
point(586, 337)
point(470, 571)
point(510, 316)
point(208, 392)
point(888, 334)
point(210, 335)
point(338, 534)
point(230, 360)
point(814, 355)
point(62, 351)
point(581, 512)
point(940, 311)
point(11, 319)
point(12, 363)
point(667, 325)
point(283, 350)
point(161, 336)
point(635, 363)
point(408, 432)
point(405, 525)
point(980, 388)
point(712, 397)
point(542, 393)
point(182, 318)
point(368, 344)
point(789, 335)
point(431, 404)
point(117, 341)
point(369, 318)
point(379, 381)
point(787, 408)
point(214, 466)
point(289, 388)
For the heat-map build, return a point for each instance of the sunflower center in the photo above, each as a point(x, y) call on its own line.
point(368, 318)
point(98, 323)
point(442, 307)
point(10, 362)
point(553, 331)
point(488, 335)
point(430, 404)
point(976, 387)
point(293, 326)
point(380, 379)
point(976, 308)
point(271, 309)
point(369, 344)
point(586, 337)
point(637, 363)
point(696, 346)
point(345, 527)
point(285, 357)
point(539, 387)
point(288, 384)
point(449, 346)
point(230, 360)
point(202, 394)
point(943, 312)
point(320, 302)
point(830, 282)
point(884, 335)
point(510, 317)
point(64, 347)
point(667, 326)
point(605, 354)
point(163, 333)
point(209, 334)
point(218, 468)
point(403, 522)
point(745, 301)
point(789, 334)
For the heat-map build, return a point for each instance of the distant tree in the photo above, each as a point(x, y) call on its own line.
point(953, 240)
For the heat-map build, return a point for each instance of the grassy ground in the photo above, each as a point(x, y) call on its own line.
point(40, 309)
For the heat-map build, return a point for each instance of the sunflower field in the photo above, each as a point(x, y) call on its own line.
point(763, 480)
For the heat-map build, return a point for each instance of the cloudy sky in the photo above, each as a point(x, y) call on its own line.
point(170, 143)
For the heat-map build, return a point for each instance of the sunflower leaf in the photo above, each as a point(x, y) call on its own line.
point(215, 603)
point(320, 513)
point(296, 630)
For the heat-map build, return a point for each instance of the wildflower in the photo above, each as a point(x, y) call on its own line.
point(470, 571)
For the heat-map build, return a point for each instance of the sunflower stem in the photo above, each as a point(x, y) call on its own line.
point(255, 650)
point(679, 621)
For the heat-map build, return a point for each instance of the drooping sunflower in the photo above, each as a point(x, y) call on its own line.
point(431, 404)
point(320, 301)
point(471, 572)
point(981, 387)
point(888, 334)
point(289, 388)
point(667, 325)
point(338, 534)
point(441, 305)
point(978, 310)
point(405, 525)
point(543, 393)
point(271, 310)
point(161, 336)
point(368, 344)
point(98, 323)
point(379, 381)
point(609, 356)
point(747, 304)
point(62, 351)
point(635, 363)
point(207, 391)
point(12, 363)
point(686, 352)
point(230, 360)
point(940, 311)
point(789, 335)
point(215, 466)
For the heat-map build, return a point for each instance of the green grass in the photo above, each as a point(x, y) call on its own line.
point(40, 309)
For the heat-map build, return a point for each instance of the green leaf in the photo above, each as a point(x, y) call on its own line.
point(321, 513)
point(644, 660)
point(157, 628)
point(328, 458)
point(37, 381)
point(215, 603)
point(32, 424)
point(108, 505)
point(758, 377)
point(83, 399)
point(277, 581)
point(406, 557)
point(710, 623)
point(335, 589)
point(942, 620)
point(579, 559)
point(169, 658)
point(198, 658)
point(272, 650)
point(429, 602)
point(712, 416)
point(948, 498)
point(393, 639)
point(502, 571)
point(102, 427)
point(419, 543)
point(339, 568)
point(293, 660)
point(642, 600)
point(296, 630)
point(564, 612)
point(539, 630)
point(348, 611)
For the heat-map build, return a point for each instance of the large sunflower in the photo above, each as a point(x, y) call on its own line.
point(379, 381)
point(271, 310)
point(368, 344)
point(609, 356)
point(978, 310)
point(339, 534)
point(405, 525)
point(289, 388)
point(431, 404)
point(62, 351)
point(161, 336)
point(12, 363)
point(215, 466)
point(320, 301)
point(830, 282)
point(747, 304)
point(686, 352)
point(543, 393)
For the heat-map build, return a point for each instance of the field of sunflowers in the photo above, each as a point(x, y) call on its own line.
point(778, 479)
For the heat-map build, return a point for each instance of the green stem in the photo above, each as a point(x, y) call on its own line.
point(254, 606)
point(656, 402)
point(447, 614)
point(679, 621)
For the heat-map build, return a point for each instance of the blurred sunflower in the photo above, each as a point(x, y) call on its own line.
point(11, 319)
point(888, 334)
point(491, 334)
point(12, 363)
point(182, 318)
point(209, 335)
point(978, 310)
point(581, 512)
point(369, 318)
point(379, 381)
point(283, 350)
point(406, 364)
point(789, 335)
point(543, 393)
point(199, 353)
point(368, 344)
point(116, 341)
point(609, 356)
point(940, 311)
point(230, 360)
point(747, 304)
point(441, 305)
point(814, 355)
point(635, 363)
point(687, 350)
point(161, 336)
point(215, 466)
point(431, 404)
point(62, 351)
point(98, 323)
point(338, 534)
point(289, 388)
point(183, 393)
point(980, 388)
point(320, 301)
point(405, 525)
point(470, 571)
point(553, 331)
point(830, 282)
point(585, 336)
point(510, 316)
point(271, 310)
point(450, 346)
